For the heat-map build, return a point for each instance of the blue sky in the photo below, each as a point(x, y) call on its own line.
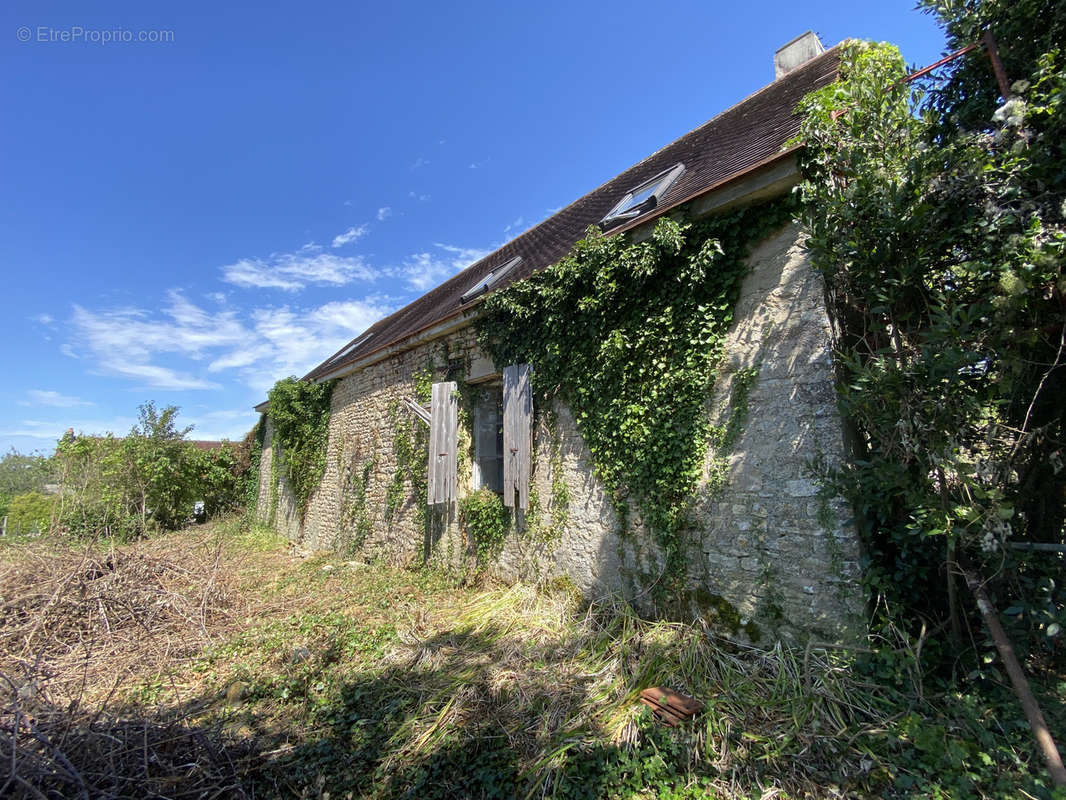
point(188, 220)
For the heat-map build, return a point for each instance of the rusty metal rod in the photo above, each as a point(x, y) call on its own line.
point(989, 41)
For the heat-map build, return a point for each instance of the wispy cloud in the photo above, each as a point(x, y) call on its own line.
point(48, 397)
point(421, 198)
point(126, 341)
point(291, 272)
point(231, 424)
point(353, 234)
point(292, 341)
point(53, 430)
point(384, 213)
point(423, 271)
point(515, 228)
point(186, 347)
point(419, 163)
point(44, 319)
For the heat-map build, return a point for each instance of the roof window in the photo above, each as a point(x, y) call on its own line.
point(349, 348)
point(489, 280)
point(643, 198)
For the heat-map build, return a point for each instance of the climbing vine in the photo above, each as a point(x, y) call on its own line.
point(355, 516)
point(410, 442)
point(254, 441)
point(723, 438)
point(486, 520)
point(299, 413)
point(628, 335)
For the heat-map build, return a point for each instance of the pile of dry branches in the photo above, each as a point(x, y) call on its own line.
point(75, 627)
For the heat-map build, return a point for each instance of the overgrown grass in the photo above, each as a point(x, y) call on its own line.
point(326, 676)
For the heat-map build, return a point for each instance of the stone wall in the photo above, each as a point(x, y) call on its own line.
point(766, 555)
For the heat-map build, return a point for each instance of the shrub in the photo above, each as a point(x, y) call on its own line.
point(30, 513)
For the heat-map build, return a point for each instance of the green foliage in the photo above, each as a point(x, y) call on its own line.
point(148, 480)
point(355, 516)
point(21, 473)
point(30, 513)
point(628, 334)
point(253, 446)
point(938, 222)
point(723, 438)
point(299, 413)
point(486, 521)
point(410, 443)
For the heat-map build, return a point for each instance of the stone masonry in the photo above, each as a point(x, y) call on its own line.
point(768, 556)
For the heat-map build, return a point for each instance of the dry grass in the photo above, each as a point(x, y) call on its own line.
point(213, 663)
point(78, 627)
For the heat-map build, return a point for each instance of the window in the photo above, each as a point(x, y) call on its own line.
point(488, 440)
point(642, 198)
point(489, 280)
point(349, 348)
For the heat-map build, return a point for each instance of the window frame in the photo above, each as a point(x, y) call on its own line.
point(625, 209)
point(486, 283)
point(491, 395)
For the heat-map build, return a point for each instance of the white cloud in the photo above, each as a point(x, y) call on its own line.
point(186, 347)
point(419, 163)
point(230, 424)
point(291, 272)
point(384, 213)
point(44, 319)
point(421, 198)
point(126, 342)
point(299, 339)
point(425, 270)
point(515, 227)
point(53, 430)
point(353, 234)
point(48, 397)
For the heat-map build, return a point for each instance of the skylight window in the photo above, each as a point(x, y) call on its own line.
point(642, 198)
point(349, 348)
point(489, 280)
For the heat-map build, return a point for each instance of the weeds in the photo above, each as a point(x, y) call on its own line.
point(239, 670)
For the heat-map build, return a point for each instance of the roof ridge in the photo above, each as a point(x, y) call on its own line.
point(652, 156)
point(740, 136)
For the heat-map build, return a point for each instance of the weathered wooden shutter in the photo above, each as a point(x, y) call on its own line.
point(517, 434)
point(442, 443)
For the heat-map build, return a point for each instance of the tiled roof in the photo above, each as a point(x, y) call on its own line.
point(729, 145)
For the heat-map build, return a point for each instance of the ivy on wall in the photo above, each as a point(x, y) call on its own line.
point(410, 445)
point(628, 335)
point(254, 442)
point(356, 522)
point(299, 412)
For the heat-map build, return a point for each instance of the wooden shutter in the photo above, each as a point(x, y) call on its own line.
point(517, 435)
point(442, 443)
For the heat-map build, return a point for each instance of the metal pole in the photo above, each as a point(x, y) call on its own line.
point(989, 42)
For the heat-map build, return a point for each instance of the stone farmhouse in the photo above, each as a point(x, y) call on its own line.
point(768, 556)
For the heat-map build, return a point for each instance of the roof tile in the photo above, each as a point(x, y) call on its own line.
point(728, 145)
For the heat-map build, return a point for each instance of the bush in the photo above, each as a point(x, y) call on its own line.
point(148, 480)
point(30, 513)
